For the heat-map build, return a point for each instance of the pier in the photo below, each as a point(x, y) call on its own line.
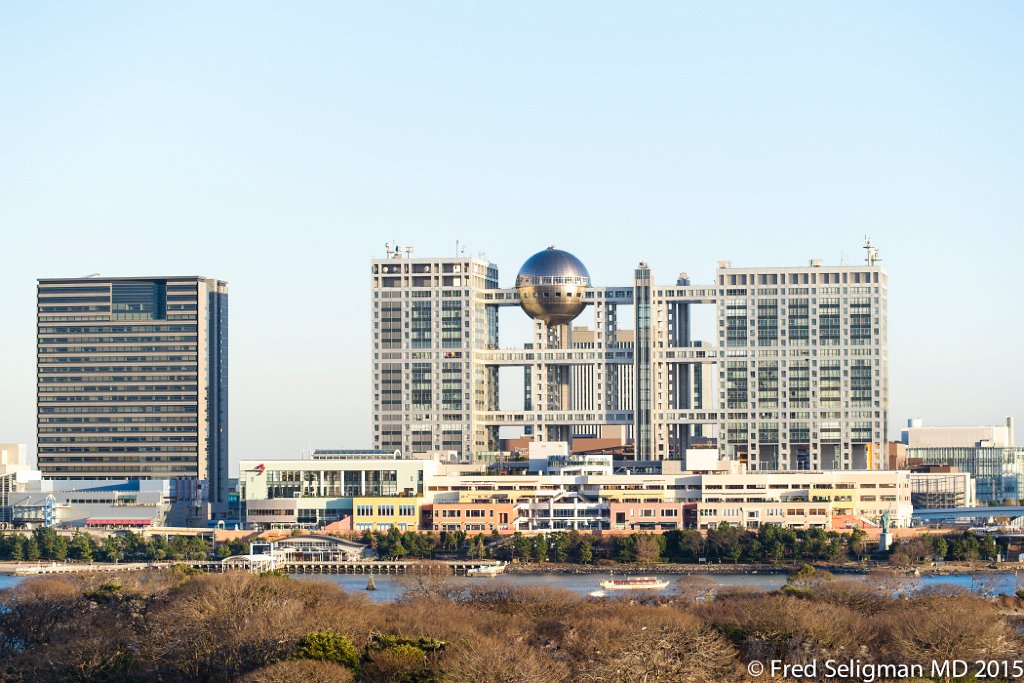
point(439, 567)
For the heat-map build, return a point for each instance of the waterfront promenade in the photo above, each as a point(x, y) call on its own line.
point(436, 567)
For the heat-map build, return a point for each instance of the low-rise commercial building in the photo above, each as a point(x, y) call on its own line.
point(125, 504)
point(380, 513)
point(483, 516)
point(940, 487)
point(803, 499)
point(998, 473)
point(15, 475)
point(655, 516)
point(374, 490)
point(330, 487)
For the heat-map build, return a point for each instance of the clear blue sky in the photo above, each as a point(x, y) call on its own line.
point(279, 145)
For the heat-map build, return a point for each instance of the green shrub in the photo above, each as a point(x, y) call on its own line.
point(327, 645)
point(383, 641)
point(401, 663)
point(275, 574)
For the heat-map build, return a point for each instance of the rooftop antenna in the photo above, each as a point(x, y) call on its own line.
point(872, 252)
point(842, 258)
point(408, 251)
point(456, 248)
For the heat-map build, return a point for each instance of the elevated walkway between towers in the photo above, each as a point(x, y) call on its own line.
point(683, 294)
point(573, 417)
point(941, 514)
point(553, 417)
point(610, 355)
point(522, 357)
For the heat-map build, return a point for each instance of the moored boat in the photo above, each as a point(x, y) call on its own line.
point(628, 583)
point(486, 570)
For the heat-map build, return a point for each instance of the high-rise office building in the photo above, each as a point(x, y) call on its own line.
point(803, 366)
point(797, 376)
point(429, 319)
point(133, 381)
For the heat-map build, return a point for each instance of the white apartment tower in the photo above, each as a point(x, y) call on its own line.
point(803, 368)
point(797, 377)
point(428, 319)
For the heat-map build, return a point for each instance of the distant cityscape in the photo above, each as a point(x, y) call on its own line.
point(627, 422)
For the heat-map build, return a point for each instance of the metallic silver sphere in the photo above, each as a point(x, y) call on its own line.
point(552, 286)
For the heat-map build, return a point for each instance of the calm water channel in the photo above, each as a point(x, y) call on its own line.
point(390, 588)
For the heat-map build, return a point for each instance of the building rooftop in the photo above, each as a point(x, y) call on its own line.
point(105, 278)
point(358, 454)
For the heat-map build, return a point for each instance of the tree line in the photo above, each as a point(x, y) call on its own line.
point(720, 544)
point(725, 544)
point(965, 547)
point(46, 544)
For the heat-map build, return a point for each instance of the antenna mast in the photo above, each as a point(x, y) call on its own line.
point(873, 255)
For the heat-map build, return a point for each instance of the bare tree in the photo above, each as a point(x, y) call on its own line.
point(300, 671)
point(648, 549)
point(788, 628)
point(695, 587)
point(890, 582)
point(944, 627)
point(652, 645)
point(428, 585)
point(257, 620)
point(493, 660)
point(37, 611)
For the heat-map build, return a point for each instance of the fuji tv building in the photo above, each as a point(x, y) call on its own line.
point(796, 377)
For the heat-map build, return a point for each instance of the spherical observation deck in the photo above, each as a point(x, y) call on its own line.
point(552, 286)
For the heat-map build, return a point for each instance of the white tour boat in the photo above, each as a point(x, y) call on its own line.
point(632, 583)
point(486, 570)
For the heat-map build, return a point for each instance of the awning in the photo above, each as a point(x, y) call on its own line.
point(118, 522)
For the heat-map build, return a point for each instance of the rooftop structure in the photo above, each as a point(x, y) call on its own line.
point(370, 454)
point(551, 286)
point(917, 435)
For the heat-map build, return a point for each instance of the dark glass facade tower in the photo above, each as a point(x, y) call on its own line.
point(642, 356)
point(132, 381)
point(217, 397)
